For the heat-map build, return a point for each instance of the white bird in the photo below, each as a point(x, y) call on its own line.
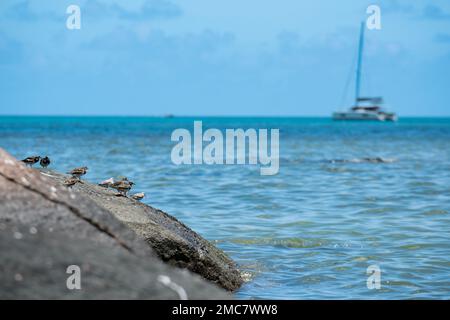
point(138, 196)
point(107, 183)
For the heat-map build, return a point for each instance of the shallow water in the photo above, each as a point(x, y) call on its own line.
point(309, 232)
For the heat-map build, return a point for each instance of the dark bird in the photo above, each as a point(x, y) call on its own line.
point(78, 172)
point(125, 179)
point(31, 160)
point(71, 182)
point(123, 186)
point(45, 162)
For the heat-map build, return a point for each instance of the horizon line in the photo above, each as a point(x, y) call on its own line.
point(171, 116)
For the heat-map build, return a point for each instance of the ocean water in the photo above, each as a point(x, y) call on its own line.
point(309, 232)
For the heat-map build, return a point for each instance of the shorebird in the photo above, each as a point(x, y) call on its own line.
point(122, 178)
point(78, 172)
point(31, 160)
point(138, 196)
point(45, 162)
point(71, 182)
point(106, 183)
point(123, 186)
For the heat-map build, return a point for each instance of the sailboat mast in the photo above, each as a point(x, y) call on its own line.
point(359, 65)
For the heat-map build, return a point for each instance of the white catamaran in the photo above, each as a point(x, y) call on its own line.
point(365, 108)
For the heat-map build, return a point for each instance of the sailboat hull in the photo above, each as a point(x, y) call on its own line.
point(365, 116)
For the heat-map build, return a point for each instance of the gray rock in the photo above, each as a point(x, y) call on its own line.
point(173, 241)
point(44, 227)
point(34, 265)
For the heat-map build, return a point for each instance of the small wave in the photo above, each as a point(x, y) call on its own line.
point(247, 276)
point(363, 160)
point(378, 210)
point(265, 216)
point(417, 246)
point(314, 279)
point(300, 223)
point(435, 212)
point(401, 283)
point(287, 242)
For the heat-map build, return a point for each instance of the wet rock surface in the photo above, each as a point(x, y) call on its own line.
point(44, 227)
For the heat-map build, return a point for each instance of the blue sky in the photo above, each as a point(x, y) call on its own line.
point(220, 57)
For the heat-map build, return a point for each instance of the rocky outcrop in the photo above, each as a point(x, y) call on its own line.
point(173, 241)
point(35, 264)
point(44, 227)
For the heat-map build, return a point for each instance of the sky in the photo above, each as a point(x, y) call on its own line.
point(221, 57)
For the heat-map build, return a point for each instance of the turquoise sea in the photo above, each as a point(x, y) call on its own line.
point(309, 232)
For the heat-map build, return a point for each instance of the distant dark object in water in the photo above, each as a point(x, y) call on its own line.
point(29, 161)
point(45, 162)
point(362, 160)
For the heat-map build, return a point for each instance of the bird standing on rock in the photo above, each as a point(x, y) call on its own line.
point(31, 160)
point(107, 183)
point(138, 196)
point(78, 172)
point(71, 182)
point(123, 186)
point(45, 162)
point(125, 179)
